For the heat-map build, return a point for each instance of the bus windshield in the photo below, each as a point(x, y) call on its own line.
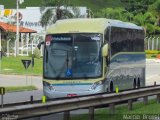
point(72, 56)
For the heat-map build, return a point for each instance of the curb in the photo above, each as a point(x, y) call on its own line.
point(153, 60)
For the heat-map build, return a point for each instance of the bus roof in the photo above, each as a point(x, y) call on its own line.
point(85, 25)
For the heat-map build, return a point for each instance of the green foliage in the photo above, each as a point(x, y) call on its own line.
point(145, 13)
point(111, 13)
point(50, 17)
point(37, 53)
point(47, 17)
point(152, 51)
point(9, 36)
point(137, 6)
point(155, 8)
point(150, 28)
point(153, 56)
point(20, 88)
point(4, 45)
point(157, 30)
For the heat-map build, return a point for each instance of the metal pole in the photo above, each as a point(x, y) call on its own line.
point(26, 73)
point(91, 113)
point(22, 44)
point(158, 98)
point(130, 105)
point(145, 100)
point(112, 108)
point(2, 100)
point(27, 43)
point(66, 115)
point(32, 78)
point(32, 45)
point(17, 31)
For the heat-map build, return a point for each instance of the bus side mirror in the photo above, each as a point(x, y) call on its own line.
point(105, 50)
point(39, 45)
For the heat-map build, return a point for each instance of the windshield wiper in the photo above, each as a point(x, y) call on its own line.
point(67, 61)
point(46, 55)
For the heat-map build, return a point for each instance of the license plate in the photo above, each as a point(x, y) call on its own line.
point(71, 95)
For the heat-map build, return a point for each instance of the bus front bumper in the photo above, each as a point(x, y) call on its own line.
point(60, 94)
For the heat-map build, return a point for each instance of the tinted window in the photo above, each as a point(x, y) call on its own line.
point(126, 40)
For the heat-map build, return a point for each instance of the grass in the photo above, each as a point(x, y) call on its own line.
point(13, 65)
point(150, 56)
point(19, 88)
point(95, 5)
point(139, 110)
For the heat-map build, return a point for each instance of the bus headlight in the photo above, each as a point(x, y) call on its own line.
point(96, 84)
point(49, 86)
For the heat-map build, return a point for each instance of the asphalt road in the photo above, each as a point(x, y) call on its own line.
point(152, 75)
point(152, 69)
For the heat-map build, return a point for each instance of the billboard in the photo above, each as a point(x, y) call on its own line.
point(29, 17)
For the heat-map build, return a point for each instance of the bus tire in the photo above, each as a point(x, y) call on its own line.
point(111, 86)
point(134, 83)
point(138, 83)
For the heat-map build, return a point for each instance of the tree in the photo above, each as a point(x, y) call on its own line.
point(118, 13)
point(47, 18)
point(137, 6)
point(155, 9)
point(53, 10)
point(146, 20)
